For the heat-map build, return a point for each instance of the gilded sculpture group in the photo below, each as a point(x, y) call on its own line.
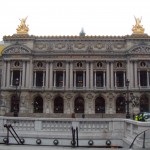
point(23, 28)
point(137, 28)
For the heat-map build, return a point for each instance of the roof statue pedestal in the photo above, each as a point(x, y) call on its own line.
point(22, 28)
point(137, 28)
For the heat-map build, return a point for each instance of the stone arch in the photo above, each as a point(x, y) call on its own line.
point(79, 104)
point(16, 49)
point(58, 104)
point(99, 105)
point(144, 103)
point(120, 105)
point(38, 104)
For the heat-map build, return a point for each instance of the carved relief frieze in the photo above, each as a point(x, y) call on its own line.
point(39, 65)
point(99, 65)
point(16, 64)
point(119, 65)
point(16, 50)
point(140, 50)
point(119, 45)
point(40, 46)
point(79, 45)
point(99, 45)
point(79, 65)
point(60, 45)
point(109, 46)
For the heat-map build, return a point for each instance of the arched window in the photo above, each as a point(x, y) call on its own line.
point(79, 105)
point(58, 105)
point(120, 105)
point(99, 105)
point(14, 103)
point(38, 105)
point(144, 104)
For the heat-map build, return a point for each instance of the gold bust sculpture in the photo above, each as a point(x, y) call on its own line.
point(22, 28)
point(137, 28)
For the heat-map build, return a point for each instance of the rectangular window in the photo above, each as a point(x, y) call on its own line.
point(143, 78)
point(39, 78)
point(99, 79)
point(59, 78)
point(16, 75)
point(79, 79)
point(119, 79)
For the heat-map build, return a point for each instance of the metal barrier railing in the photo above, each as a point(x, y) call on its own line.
point(11, 130)
point(137, 136)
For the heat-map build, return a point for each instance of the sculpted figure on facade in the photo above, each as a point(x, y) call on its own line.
point(23, 28)
point(138, 28)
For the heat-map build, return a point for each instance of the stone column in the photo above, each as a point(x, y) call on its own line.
point(104, 80)
point(87, 75)
point(43, 79)
point(4, 74)
point(54, 79)
point(23, 74)
point(63, 78)
point(83, 78)
point(11, 79)
point(34, 83)
point(147, 78)
point(8, 74)
point(131, 75)
point(135, 76)
point(124, 79)
point(31, 74)
point(91, 76)
point(47, 75)
point(112, 75)
point(71, 75)
point(107, 76)
point(74, 73)
point(115, 79)
point(95, 79)
point(51, 76)
point(139, 84)
point(27, 74)
point(20, 80)
point(67, 75)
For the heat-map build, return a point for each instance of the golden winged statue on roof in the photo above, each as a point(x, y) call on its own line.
point(22, 28)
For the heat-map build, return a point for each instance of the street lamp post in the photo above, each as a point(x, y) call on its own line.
point(16, 107)
point(127, 99)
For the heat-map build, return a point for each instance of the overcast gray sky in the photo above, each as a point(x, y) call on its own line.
point(67, 17)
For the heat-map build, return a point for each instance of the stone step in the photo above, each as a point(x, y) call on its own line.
point(29, 147)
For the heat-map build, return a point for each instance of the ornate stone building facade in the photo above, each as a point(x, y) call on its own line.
point(56, 75)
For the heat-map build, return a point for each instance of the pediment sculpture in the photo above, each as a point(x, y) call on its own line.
point(140, 50)
point(16, 50)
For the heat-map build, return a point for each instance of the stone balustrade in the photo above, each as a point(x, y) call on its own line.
point(121, 132)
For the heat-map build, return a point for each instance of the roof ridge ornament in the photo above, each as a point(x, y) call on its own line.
point(82, 33)
point(137, 28)
point(22, 28)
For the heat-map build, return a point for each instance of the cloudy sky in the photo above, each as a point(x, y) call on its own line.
point(67, 17)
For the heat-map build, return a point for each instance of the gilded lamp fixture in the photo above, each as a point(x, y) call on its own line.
point(22, 28)
point(137, 28)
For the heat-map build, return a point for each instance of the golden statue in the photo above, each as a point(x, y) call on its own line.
point(137, 28)
point(22, 28)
